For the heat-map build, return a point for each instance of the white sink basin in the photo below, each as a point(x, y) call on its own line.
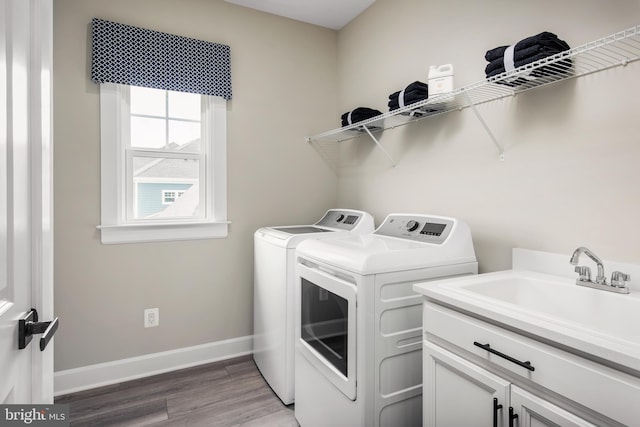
point(554, 308)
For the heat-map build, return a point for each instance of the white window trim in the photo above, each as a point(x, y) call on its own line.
point(114, 227)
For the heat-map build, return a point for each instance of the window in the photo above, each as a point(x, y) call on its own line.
point(170, 196)
point(163, 163)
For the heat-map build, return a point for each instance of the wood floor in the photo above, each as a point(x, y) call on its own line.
point(226, 393)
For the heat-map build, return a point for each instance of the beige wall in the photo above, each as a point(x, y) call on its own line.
point(284, 83)
point(572, 171)
point(570, 175)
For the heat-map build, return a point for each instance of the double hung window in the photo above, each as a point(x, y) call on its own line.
point(163, 164)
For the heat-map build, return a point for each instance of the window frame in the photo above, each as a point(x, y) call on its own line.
point(115, 226)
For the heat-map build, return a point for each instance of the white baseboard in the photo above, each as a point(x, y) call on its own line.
point(87, 377)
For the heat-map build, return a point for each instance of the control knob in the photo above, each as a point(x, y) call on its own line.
point(412, 225)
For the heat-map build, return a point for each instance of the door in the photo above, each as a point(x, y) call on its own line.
point(459, 393)
point(26, 376)
point(533, 411)
point(328, 326)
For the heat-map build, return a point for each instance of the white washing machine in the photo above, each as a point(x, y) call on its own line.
point(273, 291)
point(359, 322)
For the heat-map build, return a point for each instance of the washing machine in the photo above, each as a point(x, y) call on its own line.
point(273, 292)
point(358, 347)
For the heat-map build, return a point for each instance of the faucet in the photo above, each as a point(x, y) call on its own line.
point(618, 279)
point(582, 250)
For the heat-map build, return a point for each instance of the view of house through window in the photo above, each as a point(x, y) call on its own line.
point(170, 196)
point(165, 157)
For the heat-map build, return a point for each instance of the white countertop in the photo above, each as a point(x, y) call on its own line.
point(550, 307)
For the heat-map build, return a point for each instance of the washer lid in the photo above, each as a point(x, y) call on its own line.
point(301, 229)
point(335, 222)
point(291, 236)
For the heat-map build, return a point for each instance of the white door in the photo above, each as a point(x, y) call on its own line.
point(458, 393)
point(26, 376)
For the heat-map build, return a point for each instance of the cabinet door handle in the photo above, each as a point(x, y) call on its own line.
point(487, 347)
point(512, 416)
point(496, 407)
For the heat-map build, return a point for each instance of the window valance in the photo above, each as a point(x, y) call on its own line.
point(139, 57)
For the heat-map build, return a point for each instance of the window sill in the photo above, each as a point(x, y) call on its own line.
point(162, 232)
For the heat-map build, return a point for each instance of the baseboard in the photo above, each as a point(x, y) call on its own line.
point(102, 374)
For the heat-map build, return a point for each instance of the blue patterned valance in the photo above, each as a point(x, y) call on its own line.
point(140, 57)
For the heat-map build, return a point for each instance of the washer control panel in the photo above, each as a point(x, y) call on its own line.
point(342, 219)
point(420, 228)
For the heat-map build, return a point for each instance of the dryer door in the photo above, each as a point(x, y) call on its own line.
point(328, 326)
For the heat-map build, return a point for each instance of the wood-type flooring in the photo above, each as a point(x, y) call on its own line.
point(226, 393)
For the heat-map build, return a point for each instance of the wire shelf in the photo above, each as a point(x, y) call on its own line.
point(615, 50)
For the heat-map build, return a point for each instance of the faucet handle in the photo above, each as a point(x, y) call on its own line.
point(584, 272)
point(619, 279)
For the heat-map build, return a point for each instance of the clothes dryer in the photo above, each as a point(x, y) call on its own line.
point(359, 322)
point(273, 296)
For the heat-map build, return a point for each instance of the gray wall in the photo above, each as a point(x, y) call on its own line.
point(285, 82)
point(571, 174)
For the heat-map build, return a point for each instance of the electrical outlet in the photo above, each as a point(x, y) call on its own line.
point(151, 317)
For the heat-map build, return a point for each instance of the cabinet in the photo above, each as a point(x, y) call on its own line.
point(460, 393)
point(468, 362)
point(533, 411)
point(617, 49)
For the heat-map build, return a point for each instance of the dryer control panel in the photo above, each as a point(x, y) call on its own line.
point(420, 228)
point(344, 219)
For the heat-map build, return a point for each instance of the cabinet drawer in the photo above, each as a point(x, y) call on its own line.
point(605, 390)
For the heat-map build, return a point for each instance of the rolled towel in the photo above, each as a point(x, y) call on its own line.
point(401, 99)
point(522, 57)
point(359, 114)
point(526, 51)
point(543, 39)
point(493, 69)
point(417, 86)
point(409, 93)
point(416, 91)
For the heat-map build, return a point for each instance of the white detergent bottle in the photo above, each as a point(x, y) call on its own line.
point(440, 79)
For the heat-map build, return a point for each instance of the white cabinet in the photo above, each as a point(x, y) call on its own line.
point(460, 393)
point(469, 362)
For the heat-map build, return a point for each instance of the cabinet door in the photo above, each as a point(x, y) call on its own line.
point(458, 393)
point(536, 412)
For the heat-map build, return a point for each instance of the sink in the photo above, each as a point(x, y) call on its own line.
point(551, 308)
point(561, 299)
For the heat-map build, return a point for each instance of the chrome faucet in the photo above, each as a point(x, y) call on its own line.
point(582, 250)
point(618, 279)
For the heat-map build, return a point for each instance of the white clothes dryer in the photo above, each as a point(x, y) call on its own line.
point(273, 291)
point(359, 323)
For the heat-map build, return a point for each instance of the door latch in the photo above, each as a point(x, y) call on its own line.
point(29, 326)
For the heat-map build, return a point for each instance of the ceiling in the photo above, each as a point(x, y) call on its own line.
point(333, 14)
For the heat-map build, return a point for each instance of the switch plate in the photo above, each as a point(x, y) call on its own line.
point(151, 317)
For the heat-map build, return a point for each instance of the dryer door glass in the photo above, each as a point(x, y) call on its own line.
point(324, 321)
